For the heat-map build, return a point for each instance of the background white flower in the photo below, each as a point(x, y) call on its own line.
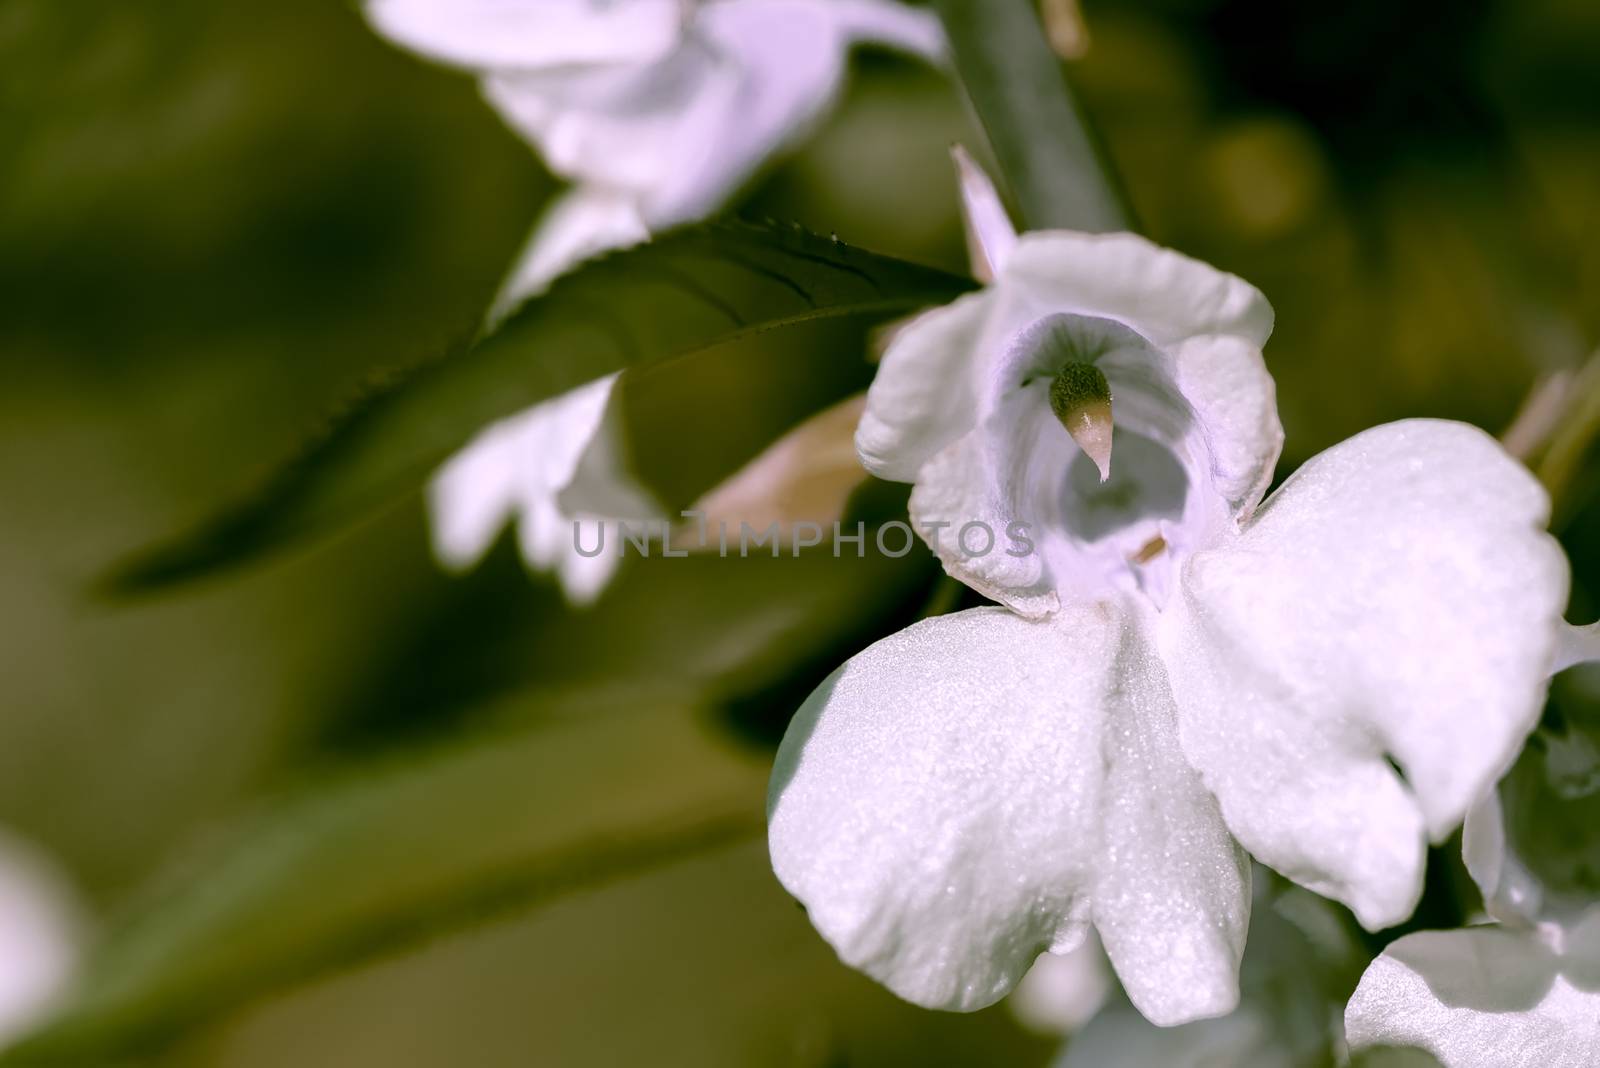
point(1180, 676)
point(659, 110)
point(41, 934)
point(578, 224)
point(1063, 991)
point(1486, 997)
point(555, 465)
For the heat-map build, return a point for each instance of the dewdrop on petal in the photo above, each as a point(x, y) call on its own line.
point(1080, 397)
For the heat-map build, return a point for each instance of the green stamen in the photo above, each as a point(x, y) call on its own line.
point(1080, 397)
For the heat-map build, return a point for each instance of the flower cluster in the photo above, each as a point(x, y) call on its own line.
point(1181, 676)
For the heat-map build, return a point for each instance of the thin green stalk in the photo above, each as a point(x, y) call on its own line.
point(1048, 158)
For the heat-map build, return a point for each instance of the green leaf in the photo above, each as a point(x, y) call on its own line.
point(1047, 156)
point(682, 293)
point(752, 635)
point(592, 787)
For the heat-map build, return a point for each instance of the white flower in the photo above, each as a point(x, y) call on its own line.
point(660, 110)
point(557, 471)
point(1178, 676)
point(578, 224)
point(1522, 991)
point(1486, 997)
point(40, 936)
point(1063, 991)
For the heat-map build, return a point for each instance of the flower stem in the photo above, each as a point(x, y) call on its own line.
point(1047, 155)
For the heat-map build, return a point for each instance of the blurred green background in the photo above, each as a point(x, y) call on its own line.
point(215, 218)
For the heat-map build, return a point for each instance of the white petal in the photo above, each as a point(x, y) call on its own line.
point(1163, 295)
point(788, 64)
point(578, 224)
point(556, 462)
point(1225, 381)
point(686, 132)
point(1510, 893)
point(923, 396)
point(584, 577)
point(967, 793)
point(935, 803)
point(601, 485)
point(652, 131)
point(488, 34)
point(791, 59)
point(543, 532)
point(1398, 596)
point(473, 495)
point(1211, 325)
point(965, 500)
point(889, 23)
point(41, 936)
point(990, 235)
point(1482, 997)
point(1172, 897)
